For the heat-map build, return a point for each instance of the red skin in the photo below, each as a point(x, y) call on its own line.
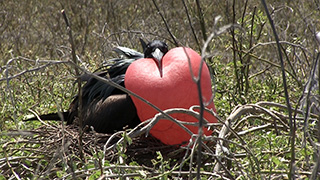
point(175, 89)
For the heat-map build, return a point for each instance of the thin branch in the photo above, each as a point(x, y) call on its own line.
point(202, 22)
point(286, 94)
point(265, 126)
point(32, 70)
point(190, 24)
point(166, 24)
point(74, 59)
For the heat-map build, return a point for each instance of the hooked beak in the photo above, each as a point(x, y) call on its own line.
point(157, 56)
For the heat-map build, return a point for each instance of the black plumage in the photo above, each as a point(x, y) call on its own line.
point(104, 107)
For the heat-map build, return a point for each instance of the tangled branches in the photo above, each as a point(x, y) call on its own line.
point(52, 150)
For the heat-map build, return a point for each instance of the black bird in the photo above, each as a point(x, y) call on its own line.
point(104, 107)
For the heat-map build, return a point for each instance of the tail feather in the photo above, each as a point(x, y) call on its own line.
point(51, 116)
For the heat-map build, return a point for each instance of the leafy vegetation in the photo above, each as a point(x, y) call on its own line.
point(37, 76)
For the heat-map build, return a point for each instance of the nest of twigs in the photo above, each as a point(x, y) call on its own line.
point(54, 143)
point(65, 152)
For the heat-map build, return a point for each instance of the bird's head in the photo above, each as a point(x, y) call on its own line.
point(156, 50)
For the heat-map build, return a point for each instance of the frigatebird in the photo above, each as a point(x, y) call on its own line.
point(165, 78)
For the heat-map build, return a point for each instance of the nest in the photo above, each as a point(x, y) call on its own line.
point(253, 139)
point(49, 148)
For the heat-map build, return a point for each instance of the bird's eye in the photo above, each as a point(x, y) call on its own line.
point(164, 49)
